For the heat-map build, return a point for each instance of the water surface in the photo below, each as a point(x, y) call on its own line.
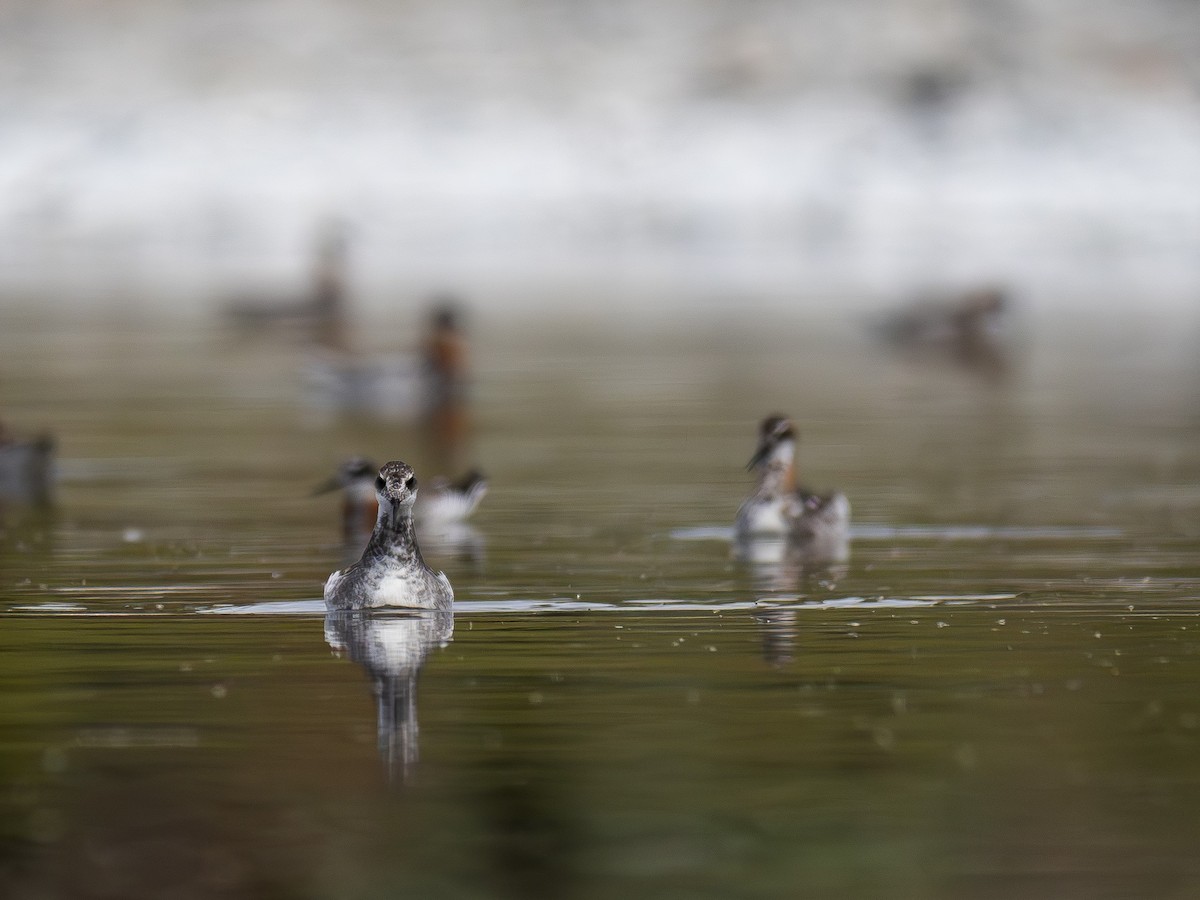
point(995, 697)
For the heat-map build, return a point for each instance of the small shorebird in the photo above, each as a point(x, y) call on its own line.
point(452, 501)
point(391, 572)
point(356, 480)
point(959, 322)
point(778, 508)
point(428, 383)
point(969, 330)
point(26, 468)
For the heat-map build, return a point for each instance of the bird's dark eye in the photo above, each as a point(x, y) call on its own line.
point(380, 484)
point(411, 482)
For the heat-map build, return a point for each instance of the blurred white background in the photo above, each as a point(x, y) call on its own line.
point(165, 155)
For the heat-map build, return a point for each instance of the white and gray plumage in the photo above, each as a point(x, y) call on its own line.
point(452, 501)
point(391, 571)
point(778, 508)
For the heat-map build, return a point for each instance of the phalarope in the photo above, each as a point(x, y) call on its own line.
point(969, 330)
point(443, 502)
point(955, 322)
point(452, 501)
point(445, 354)
point(779, 508)
point(26, 468)
point(356, 480)
point(391, 571)
point(321, 311)
point(428, 383)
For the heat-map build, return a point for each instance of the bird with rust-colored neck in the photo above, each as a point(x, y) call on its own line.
point(778, 507)
point(355, 478)
point(391, 572)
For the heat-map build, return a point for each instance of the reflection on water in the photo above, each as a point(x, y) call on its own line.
point(392, 649)
point(990, 691)
point(778, 635)
point(784, 564)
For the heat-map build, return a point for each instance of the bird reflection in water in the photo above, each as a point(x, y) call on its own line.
point(454, 540)
point(392, 648)
point(778, 630)
point(787, 563)
point(791, 573)
point(783, 565)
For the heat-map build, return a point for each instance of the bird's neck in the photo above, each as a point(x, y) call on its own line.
point(394, 534)
point(778, 478)
point(778, 475)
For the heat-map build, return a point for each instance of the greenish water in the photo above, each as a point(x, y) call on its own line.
point(995, 698)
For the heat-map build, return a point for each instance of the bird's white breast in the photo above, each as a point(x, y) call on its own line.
point(331, 583)
point(764, 517)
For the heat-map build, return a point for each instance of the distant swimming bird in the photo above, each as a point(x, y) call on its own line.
point(452, 501)
point(321, 311)
point(444, 353)
point(779, 508)
point(967, 329)
point(443, 502)
point(427, 383)
point(26, 468)
point(356, 480)
point(391, 571)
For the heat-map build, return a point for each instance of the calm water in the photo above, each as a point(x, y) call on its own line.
point(996, 698)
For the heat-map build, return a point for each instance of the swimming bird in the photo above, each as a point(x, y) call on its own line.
point(443, 502)
point(356, 479)
point(427, 384)
point(26, 468)
point(321, 311)
point(391, 571)
point(444, 354)
point(969, 330)
point(778, 507)
point(960, 322)
point(452, 501)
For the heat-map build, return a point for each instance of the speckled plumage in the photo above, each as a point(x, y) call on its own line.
point(777, 507)
point(391, 571)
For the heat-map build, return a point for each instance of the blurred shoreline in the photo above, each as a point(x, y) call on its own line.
point(169, 156)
